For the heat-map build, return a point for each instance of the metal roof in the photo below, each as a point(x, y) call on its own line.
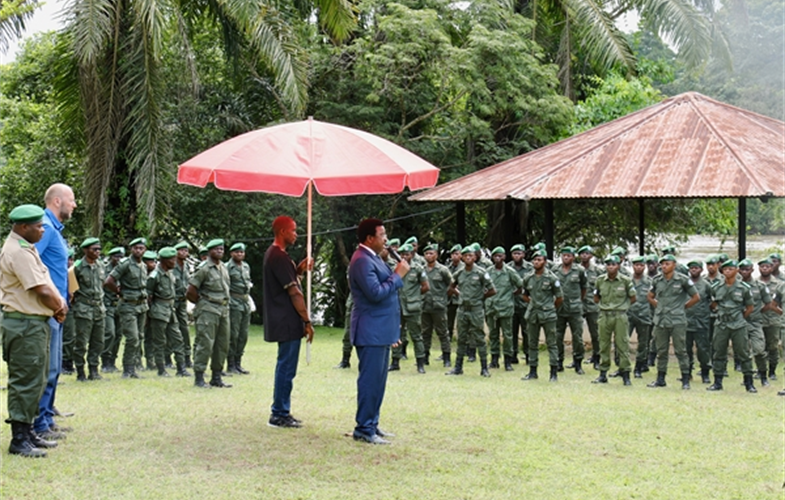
point(688, 146)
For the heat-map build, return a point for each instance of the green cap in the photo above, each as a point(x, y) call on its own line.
point(182, 244)
point(26, 214)
point(640, 259)
point(456, 248)
point(467, 249)
point(612, 259)
point(202, 250)
point(539, 253)
point(538, 246)
point(729, 263)
point(498, 250)
point(395, 242)
point(518, 248)
point(71, 252)
point(695, 263)
point(149, 255)
point(723, 256)
point(476, 247)
point(138, 241)
point(712, 259)
point(776, 255)
point(411, 240)
point(115, 250)
point(586, 248)
point(570, 250)
point(237, 246)
point(765, 261)
point(670, 249)
point(167, 252)
point(433, 247)
point(406, 247)
point(668, 257)
point(618, 251)
point(90, 242)
point(745, 263)
point(652, 257)
point(218, 242)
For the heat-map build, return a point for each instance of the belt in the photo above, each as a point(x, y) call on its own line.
point(219, 302)
point(239, 296)
point(469, 307)
point(166, 301)
point(179, 299)
point(18, 315)
point(613, 311)
point(88, 302)
point(134, 302)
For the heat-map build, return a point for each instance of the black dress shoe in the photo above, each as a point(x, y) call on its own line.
point(375, 439)
point(384, 434)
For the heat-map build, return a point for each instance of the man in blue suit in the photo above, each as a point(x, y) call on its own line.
point(375, 325)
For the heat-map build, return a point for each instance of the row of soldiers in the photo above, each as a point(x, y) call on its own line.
point(517, 299)
point(142, 298)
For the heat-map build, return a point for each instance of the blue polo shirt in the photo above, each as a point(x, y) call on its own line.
point(53, 250)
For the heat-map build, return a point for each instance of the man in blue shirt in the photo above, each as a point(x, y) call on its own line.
point(53, 249)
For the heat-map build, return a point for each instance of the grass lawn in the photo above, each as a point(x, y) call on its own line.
point(457, 437)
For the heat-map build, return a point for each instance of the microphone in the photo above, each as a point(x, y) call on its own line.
point(393, 253)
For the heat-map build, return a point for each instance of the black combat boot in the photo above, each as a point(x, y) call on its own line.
point(576, 363)
point(344, 364)
point(554, 374)
point(637, 371)
point(130, 372)
point(596, 362)
point(494, 361)
point(652, 358)
point(560, 366)
point(238, 365)
point(181, 371)
point(764, 380)
point(20, 442)
point(514, 359)
point(717, 385)
point(168, 362)
point(446, 359)
point(458, 369)
point(685, 381)
point(67, 367)
point(394, 365)
point(80, 376)
point(217, 381)
point(188, 363)
point(231, 366)
point(615, 374)
point(508, 363)
point(625, 377)
point(660, 382)
point(199, 380)
point(94, 375)
point(427, 358)
point(748, 384)
point(471, 354)
point(403, 350)
point(420, 365)
point(162, 370)
point(705, 376)
point(736, 366)
point(532, 373)
point(38, 441)
point(484, 367)
point(602, 379)
point(772, 370)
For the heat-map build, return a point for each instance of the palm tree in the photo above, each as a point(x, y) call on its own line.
point(115, 83)
point(13, 16)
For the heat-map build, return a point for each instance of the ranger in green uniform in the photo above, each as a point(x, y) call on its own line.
point(713, 275)
point(239, 307)
point(415, 284)
point(164, 328)
point(761, 298)
point(452, 303)
point(146, 338)
point(209, 290)
point(500, 308)
point(542, 291)
point(472, 284)
point(591, 311)
point(732, 299)
point(129, 279)
point(698, 318)
point(28, 298)
point(574, 285)
point(416, 257)
point(89, 310)
point(112, 319)
point(522, 268)
point(772, 316)
point(434, 308)
point(614, 294)
point(639, 314)
point(182, 275)
point(69, 329)
point(671, 295)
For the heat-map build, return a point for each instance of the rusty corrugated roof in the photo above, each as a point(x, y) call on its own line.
point(688, 146)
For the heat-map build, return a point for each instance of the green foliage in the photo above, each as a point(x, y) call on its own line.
point(766, 218)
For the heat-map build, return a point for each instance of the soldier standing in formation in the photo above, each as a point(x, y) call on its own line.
point(542, 291)
point(89, 310)
point(182, 276)
point(452, 301)
point(574, 285)
point(761, 298)
point(591, 311)
point(772, 316)
point(522, 268)
point(112, 320)
point(164, 327)
point(639, 315)
point(415, 284)
point(698, 318)
point(239, 307)
point(499, 308)
point(434, 310)
point(69, 325)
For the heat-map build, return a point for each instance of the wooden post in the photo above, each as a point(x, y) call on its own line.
point(742, 228)
point(509, 226)
point(641, 226)
point(460, 222)
point(549, 227)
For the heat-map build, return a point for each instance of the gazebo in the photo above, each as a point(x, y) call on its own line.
point(687, 146)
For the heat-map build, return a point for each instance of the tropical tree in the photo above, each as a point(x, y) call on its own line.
point(13, 16)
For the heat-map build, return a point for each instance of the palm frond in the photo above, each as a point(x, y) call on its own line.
point(92, 24)
point(599, 35)
point(337, 17)
point(682, 24)
point(13, 16)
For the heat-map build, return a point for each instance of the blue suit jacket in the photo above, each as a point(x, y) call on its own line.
point(376, 314)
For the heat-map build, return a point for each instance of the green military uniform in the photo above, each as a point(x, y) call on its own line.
point(164, 327)
point(411, 300)
point(757, 341)
point(639, 319)
point(131, 278)
point(90, 313)
point(434, 310)
point(211, 315)
point(181, 276)
point(670, 322)
point(614, 302)
point(591, 311)
point(574, 285)
point(711, 280)
point(111, 320)
point(499, 310)
point(542, 291)
point(772, 323)
point(146, 335)
point(453, 300)
point(731, 300)
point(69, 329)
point(239, 310)
point(519, 315)
point(346, 351)
point(698, 319)
point(472, 285)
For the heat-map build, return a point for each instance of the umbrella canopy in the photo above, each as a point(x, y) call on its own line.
point(283, 159)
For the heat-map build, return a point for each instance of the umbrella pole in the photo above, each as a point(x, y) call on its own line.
point(308, 251)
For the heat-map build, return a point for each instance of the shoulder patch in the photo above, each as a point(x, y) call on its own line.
point(154, 274)
point(24, 244)
point(122, 260)
point(745, 284)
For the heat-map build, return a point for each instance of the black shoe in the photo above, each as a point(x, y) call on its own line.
point(615, 374)
point(38, 441)
point(560, 367)
point(458, 369)
point(749, 385)
point(532, 375)
point(238, 365)
point(764, 381)
point(93, 373)
point(284, 422)
point(514, 360)
point(394, 365)
point(602, 379)
point(217, 381)
point(384, 434)
point(21, 444)
point(130, 373)
point(199, 381)
point(637, 371)
point(188, 363)
point(660, 382)
point(781, 393)
point(717, 385)
point(375, 439)
point(80, 376)
point(576, 364)
point(737, 367)
point(508, 364)
point(420, 365)
point(685, 381)
point(446, 360)
point(344, 364)
point(571, 365)
point(625, 376)
point(652, 358)
point(705, 376)
point(494, 361)
point(554, 374)
point(181, 371)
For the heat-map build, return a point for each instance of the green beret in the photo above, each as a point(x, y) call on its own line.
point(149, 255)
point(670, 249)
point(433, 247)
point(570, 250)
point(90, 242)
point(712, 259)
point(776, 255)
point(167, 253)
point(539, 253)
point(612, 259)
point(618, 251)
point(765, 261)
point(729, 263)
point(237, 246)
point(538, 246)
point(202, 250)
point(652, 257)
point(745, 263)
point(456, 248)
point(723, 256)
point(668, 257)
point(695, 263)
point(70, 252)
point(395, 242)
point(586, 248)
point(26, 214)
point(467, 249)
point(138, 241)
point(476, 246)
point(498, 250)
point(218, 242)
point(115, 250)
point(182, 244)
point(406, 247)
point(518, 248)
point(640, 259)
point(412, 239)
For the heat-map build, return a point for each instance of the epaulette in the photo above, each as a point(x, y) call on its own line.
point(746, 284)
point(78, 262)
point(24, 244)
point(122, 260)
point(154, 273)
